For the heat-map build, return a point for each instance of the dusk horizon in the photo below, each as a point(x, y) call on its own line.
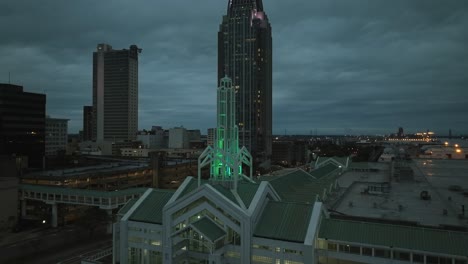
point(343, 69)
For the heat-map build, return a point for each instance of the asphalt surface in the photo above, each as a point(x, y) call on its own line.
point(64, 246)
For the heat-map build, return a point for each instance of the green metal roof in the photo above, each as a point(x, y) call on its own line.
point(150, 210)
point(127, 206)
point(300, 186)
point(284, 221)
point(211, 230)
point(192, 185)
point(226, 192)
point(341, 160)
point(397, 236)
point(80, 192)
point(324, 171)
point(247, 191)
point(359, 165)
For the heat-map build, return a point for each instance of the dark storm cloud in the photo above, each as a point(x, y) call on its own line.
point(339, 66)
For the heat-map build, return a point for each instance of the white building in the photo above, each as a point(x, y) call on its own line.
point(56, 136)
point(178, 138)
point(280, 219)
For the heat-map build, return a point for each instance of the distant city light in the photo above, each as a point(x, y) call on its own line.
point(458, 150)
point(456, 145)
point(43, 221)
point(446, 143)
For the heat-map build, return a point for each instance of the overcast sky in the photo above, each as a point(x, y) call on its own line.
point(338, 66)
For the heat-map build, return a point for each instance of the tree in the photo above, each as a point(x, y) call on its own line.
point(93, 217)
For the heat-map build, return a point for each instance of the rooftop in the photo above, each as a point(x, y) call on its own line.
point(79, 192)
point(396, 236)
point(300, 186)
point(86, 171)
point(150, 209)
point(284, 221)
point(403, 201)
point(245, 190)
point(208, 228)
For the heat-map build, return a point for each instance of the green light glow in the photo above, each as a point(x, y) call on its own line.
point(227, 144)
point(225, 157)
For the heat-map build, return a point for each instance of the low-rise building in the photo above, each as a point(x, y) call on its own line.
point(178, 138)
point(9, 178)
point(156, 138)
point(277, 219)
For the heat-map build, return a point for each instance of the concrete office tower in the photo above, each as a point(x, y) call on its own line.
point(56, 137)
point(245, 55)
point(22, 124)
point(115, 93)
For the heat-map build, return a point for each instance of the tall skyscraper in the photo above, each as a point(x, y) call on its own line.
point(245, 55)
point(115, 93)
point(22, 123)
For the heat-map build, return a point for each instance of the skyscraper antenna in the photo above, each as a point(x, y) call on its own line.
point(9, 78)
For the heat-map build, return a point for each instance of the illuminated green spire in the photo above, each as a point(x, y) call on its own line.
point(225, 157)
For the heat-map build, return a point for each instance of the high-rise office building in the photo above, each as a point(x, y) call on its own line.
point(22, 123)
point(56, 136)
point(87, 123)
point(115, 93)
point(245, 55)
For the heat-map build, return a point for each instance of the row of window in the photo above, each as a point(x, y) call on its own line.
point(278, 250)
point(263, 259)
point(387, 253)
point(144, 230)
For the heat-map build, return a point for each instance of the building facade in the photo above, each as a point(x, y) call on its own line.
point(22, 123)
point(88, 118)
point(281, 219)
point(56, 138)
point(156, 138)
point(275, 219)
point(178, 138)
point(245, 55)
point(115, 93)
point(210, 139)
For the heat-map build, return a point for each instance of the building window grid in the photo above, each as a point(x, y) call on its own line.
point(387, 253)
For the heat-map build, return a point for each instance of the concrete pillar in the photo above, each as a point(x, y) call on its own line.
point(54, 215)
point(23, 208)
point(109, 224)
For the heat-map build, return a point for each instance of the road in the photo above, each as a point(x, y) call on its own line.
point(54, 246)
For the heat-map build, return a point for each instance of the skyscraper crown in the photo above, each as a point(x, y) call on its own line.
point(254, 4)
